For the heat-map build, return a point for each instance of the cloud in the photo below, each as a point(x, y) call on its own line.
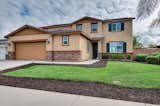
point(15, 13)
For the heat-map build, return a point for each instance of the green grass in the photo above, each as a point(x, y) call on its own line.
point(117, 73)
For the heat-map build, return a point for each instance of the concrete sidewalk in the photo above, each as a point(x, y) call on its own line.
point(11, 96)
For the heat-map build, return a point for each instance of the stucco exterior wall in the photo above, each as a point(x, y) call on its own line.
point(85, 55)
point(125, 36)
point(29, 32)
point(74, 41)
point(87, 27)
point(60, 28)
point(29, 38)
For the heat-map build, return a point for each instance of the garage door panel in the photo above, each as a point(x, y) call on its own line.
point(30, 51)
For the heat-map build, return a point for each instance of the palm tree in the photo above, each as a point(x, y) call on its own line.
point(137, 42)
point(147, 8)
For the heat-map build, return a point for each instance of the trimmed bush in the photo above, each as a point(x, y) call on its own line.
point(104, 56)
point(141, 57)
point(152, 59)
point(113, 56)
point(156, 54)
point(129, 57)
point(116, 56)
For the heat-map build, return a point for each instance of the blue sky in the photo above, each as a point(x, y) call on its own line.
point(15, 13)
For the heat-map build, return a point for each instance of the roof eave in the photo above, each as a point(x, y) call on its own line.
point(24, 27)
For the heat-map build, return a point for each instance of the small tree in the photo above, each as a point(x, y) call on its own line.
point(152, 45)
point(137, 42)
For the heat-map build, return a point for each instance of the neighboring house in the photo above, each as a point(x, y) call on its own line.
point(3, 50)
point(80, 40)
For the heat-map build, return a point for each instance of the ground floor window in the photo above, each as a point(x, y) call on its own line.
point(116, 47)
point(65, 40)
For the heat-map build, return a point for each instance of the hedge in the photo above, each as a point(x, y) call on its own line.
point(153, 59)
point(156, 54)
point(141, 57)
point(113, 56)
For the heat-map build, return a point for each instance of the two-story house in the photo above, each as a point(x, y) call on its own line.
point(83, 39)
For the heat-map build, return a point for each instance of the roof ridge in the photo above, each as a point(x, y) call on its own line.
point(103, 20)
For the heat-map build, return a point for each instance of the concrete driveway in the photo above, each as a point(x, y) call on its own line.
point(7, 64)
point(11, 64)
point(11, 96)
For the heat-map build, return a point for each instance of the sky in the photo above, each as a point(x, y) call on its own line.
point(16, 13)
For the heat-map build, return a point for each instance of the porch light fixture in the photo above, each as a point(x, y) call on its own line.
point(9, 44)
point(48, 42)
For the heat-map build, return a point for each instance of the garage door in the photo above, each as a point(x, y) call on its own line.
point(2, 52)
point(31, 51)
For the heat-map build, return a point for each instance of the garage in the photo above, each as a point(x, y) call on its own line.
point(2, 52)
point(31, 51)
point(3, 49)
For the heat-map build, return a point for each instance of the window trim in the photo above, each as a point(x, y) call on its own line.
point(63, 40)
point(116, 27)
point(115, 42)
point(91, 28)
point(81, 25)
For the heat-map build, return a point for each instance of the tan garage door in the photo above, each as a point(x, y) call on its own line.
point(31, 51)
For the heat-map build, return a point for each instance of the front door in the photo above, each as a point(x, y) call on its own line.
point(95, 50)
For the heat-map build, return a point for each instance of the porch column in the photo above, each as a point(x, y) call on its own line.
point(99, 49)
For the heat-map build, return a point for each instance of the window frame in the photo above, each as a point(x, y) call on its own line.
point(116, 46)
point(93, 28)
point(63, 40)
point(79, 25)
point(116, 27)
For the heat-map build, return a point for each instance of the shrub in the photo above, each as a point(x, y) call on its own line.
point(129, 57)
point(113, 56)
point(156, 54)
point(152, 59)
point(141, 57)
point(104, 56)
point(116, 56)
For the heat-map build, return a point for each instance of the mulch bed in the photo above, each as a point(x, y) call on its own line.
point(84, 88)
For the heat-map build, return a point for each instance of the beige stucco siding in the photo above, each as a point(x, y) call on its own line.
point(28, 32)
point(87, 27)
point(60, 28)
point(74, 41)
point(125, 36)
point(30, 38)
point(85, 55)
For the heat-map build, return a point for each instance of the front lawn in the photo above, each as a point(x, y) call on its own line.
point(117, 73)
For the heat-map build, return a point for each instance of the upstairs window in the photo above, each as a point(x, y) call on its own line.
point(94, 27)
point(116, 27)
point(79, 27)
point(65, 40)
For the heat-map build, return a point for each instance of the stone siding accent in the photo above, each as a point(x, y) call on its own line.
point(11, 56)
point(49, 55)
point(67, 56)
